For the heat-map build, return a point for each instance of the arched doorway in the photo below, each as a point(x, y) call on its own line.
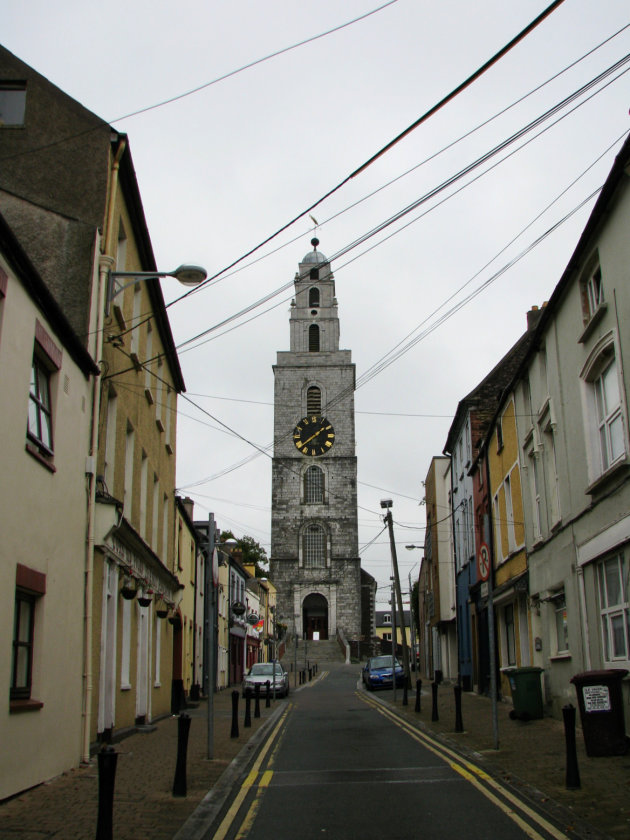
point(315, 617)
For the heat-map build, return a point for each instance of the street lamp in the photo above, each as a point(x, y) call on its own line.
point(188, 275)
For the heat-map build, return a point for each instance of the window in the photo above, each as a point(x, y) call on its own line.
point(546, 428)
point(510, 638)
point(110, 442)
point(12, 104)
point(499, 435)
point(560, 613)
point(387, 618)
point(313, 338)
point(46, 362)
point(615, 608)
point(604, 416)
point(592, 290)
point(314, 547)
point(609, 418)
point(39, 408)
point(23, 631)
point(30, 586)
point(313, 400)
point(313, 296)
point(314, 274)
point(314, 485)
point(534, 489)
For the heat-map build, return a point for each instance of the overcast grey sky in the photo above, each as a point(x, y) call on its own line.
point(222, 169)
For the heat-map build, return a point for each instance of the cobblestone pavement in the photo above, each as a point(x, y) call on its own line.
point(531, 757)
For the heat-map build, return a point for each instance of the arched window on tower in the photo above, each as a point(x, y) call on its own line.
point(314, 547)
point(314, 274)
point(314, 485)
point(313, 400)
point(313, 296)
point(313, 339)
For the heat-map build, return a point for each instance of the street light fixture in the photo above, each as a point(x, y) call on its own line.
point(188, 275)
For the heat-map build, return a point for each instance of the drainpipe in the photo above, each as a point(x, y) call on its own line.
point(105, 264)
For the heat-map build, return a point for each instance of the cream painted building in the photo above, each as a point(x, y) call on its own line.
point(44, 429)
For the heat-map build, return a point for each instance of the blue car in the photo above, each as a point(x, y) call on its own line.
point(377, 673)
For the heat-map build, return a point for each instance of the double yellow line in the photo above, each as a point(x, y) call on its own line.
point(485, 784)
point(252, 781)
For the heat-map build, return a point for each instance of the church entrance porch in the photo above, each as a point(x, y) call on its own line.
point(315, 617)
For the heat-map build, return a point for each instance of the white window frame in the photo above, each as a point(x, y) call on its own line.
point(610, 612)
point(600, 415)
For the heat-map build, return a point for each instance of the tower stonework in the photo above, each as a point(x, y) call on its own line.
point(314, 560)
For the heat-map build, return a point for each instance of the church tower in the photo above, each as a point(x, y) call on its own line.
point(314, 561)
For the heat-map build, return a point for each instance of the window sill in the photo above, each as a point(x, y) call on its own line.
point(560, 657)
point(611, 473)
point(148, 393)
point(44, 460)
point(125, 687)
point(168, 448)
point(29, 705)
point(597, 317)
point(159, 425)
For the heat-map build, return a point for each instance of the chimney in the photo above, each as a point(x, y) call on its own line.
point(533, 316)
point(188, 507)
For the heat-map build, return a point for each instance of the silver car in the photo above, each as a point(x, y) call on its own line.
point(262, 672)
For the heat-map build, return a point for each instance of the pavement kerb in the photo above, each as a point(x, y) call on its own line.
point(580, 829)
point(199, 823)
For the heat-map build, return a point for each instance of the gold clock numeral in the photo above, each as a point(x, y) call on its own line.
point(313, 452)
point(329, 443)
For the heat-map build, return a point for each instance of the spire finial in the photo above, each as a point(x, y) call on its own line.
point(314, 243)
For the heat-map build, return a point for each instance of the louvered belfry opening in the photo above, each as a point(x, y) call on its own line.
point(313, 339)
point(313, 401)
point(313, 296)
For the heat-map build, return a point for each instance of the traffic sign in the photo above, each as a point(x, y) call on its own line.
point(483, 562)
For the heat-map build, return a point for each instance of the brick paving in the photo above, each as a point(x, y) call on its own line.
point(531, 758)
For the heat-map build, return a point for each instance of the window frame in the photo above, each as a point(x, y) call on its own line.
point(610, 611)
point(315, 555)
point(314, 491)
point(23, 692)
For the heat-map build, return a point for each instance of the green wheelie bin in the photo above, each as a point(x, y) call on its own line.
point(526, 693)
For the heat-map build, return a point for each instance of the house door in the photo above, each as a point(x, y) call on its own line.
point(315, 617)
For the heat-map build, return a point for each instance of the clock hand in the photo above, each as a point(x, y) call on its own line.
point(308, 440)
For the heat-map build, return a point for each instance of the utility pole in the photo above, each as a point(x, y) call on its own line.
point(387, 504)
point(210, 642)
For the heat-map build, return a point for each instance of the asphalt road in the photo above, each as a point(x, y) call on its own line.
point(340, 766)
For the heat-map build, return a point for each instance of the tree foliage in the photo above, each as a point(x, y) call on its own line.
point(252, 552)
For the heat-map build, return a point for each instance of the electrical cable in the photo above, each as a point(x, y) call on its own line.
point(453, 179)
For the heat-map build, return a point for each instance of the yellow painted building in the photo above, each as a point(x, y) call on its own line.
point(510, 558)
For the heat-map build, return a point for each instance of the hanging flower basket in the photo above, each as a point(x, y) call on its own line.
point(145, 598)
point(128, 589)
point(161, 608)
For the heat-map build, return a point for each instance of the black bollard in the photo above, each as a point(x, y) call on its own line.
point(248, 709)
point(459, 724)
point(183, 728)
point(234, 732)
point(573, 771)
point(107, 759)
point(257, 703)
point(434, 709)
point(268, 694)
point(405, 699)
point(418, 690)
point(310, 674)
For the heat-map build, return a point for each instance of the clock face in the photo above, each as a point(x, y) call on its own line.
point(313, 435)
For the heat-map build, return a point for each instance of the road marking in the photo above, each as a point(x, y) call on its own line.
point(472, 774)
point(249, 783)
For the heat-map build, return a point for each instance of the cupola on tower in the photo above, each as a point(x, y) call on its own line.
point(314, 561)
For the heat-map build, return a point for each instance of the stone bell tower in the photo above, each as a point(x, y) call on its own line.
point(314, 561)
